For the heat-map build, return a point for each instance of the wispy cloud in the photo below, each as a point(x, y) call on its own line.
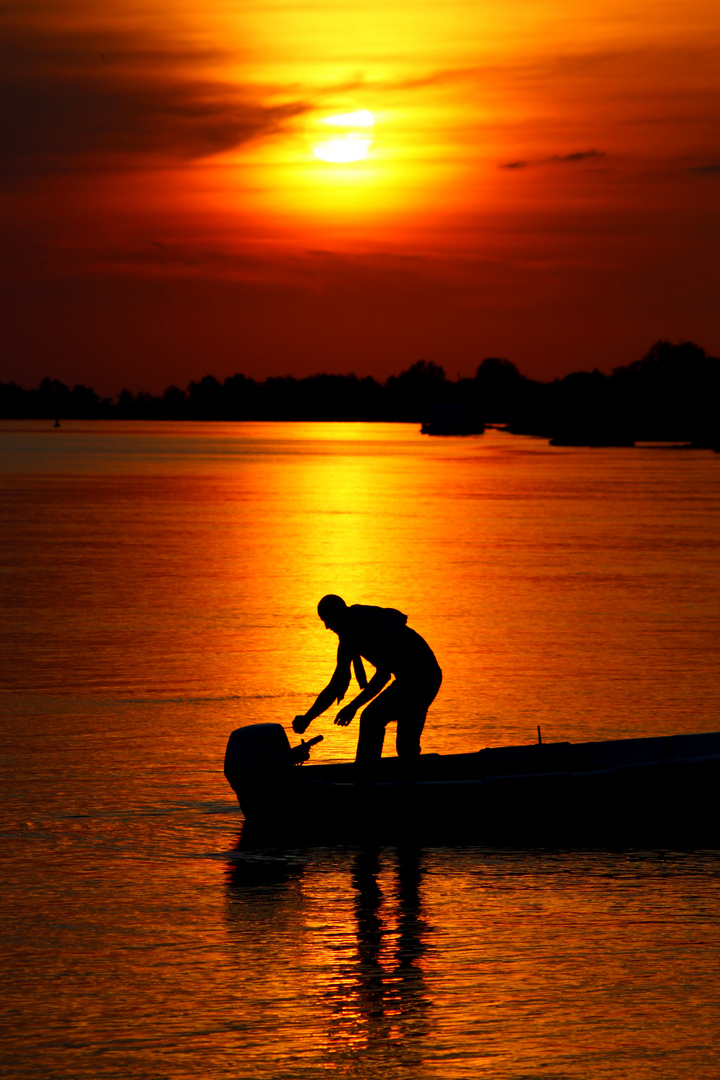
point(578, 155)
point(557, 159)
point(79, 99)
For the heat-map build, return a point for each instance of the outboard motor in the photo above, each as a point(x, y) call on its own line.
point(256, 750)
point(258, 765)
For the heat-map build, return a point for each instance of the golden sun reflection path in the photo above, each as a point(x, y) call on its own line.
point(541, 597)
point(159, 589)
point(573, 590)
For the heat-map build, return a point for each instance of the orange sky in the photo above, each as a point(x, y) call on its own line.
point(543, 184)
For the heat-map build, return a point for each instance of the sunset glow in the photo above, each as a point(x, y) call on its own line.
point(191, 188)
point(349, 138)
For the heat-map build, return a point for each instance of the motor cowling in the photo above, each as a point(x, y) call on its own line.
point(256, 752)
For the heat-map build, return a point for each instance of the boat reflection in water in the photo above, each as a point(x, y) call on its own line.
point(402, 962)
point(363, 974)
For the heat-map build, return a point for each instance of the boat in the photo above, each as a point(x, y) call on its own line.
point(451, 418)
point(661, 791)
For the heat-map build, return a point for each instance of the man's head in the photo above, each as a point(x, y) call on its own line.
point(331, 610)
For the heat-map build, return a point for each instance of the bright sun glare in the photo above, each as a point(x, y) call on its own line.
point(350, 139)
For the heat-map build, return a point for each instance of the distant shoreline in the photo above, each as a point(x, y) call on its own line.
point(671, 395)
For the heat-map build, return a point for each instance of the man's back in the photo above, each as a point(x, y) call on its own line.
point(381, 635)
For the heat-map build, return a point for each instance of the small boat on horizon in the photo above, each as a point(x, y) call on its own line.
point(650, 792)
point(451, 418)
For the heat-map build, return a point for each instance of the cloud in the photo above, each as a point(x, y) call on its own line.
point(77, 99)
point(557, 159)
point(186, 258)
point(578, 155)
point(306, 271)
point(711, 169)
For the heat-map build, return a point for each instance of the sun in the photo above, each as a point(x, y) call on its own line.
point(349, 139)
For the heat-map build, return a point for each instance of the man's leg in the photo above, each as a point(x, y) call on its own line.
point(412, 706)
point(409, 729)
point(373, 720)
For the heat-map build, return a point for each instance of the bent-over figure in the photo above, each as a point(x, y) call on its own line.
point(381, 636)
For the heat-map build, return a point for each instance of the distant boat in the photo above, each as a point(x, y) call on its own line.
point(450, 418)
point(662, 791)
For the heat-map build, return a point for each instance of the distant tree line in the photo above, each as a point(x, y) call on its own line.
point(672, 393)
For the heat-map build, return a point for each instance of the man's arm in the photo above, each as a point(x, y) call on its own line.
point(334, 691)
point(323, 701)
point(373, 688)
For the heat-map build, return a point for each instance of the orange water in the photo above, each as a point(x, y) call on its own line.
point(159, 585)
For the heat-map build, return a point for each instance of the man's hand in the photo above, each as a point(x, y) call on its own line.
point(345, 715)
point(300, 724)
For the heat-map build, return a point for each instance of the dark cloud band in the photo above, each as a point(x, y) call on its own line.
point(77, 101)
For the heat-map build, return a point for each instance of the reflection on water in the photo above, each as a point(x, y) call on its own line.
point(393, 1000)
point(477, 963)
point(367, 960)
point(159, 587)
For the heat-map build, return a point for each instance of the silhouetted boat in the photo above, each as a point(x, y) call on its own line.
point(449, 418)
point(652, 792)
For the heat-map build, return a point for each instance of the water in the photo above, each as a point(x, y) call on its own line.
point(159, 585)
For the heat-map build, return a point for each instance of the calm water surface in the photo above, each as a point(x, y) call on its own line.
point(159, 585)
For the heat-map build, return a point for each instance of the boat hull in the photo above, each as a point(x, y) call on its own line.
point(648, 792)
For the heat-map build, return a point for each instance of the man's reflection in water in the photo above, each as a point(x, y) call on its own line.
point(389, 986)
point(369, 1008)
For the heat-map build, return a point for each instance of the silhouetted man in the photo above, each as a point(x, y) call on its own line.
point(382, 637)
